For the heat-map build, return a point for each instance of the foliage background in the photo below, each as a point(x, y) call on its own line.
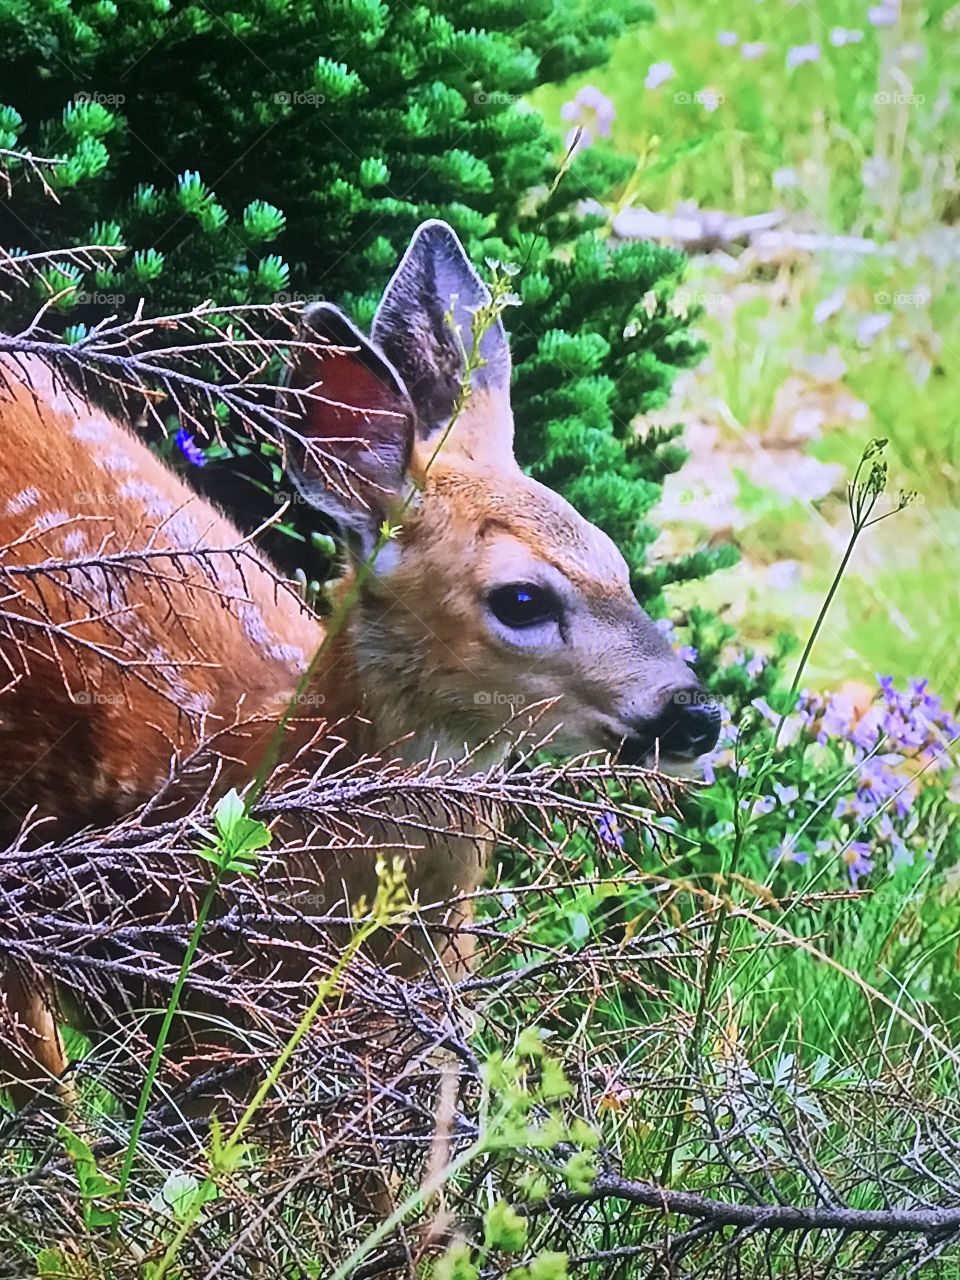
point(272, 152)
point(289, 153)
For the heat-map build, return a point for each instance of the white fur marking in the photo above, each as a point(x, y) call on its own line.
point(51, 519)
point(91, 430)
point(23, 500)
point(182, 531)
point(63, 402)
point(289, 653)
point(75, 542)
point(155, 504)
point(117, 463)
point(255, 629)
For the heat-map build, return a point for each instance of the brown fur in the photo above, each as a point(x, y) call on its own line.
point(155, 660)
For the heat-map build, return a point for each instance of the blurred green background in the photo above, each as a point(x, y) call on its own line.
point(844, 117)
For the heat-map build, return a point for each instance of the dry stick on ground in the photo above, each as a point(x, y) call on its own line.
point(934, 1224)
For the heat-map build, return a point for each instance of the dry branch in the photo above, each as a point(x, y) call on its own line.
point(193, 365)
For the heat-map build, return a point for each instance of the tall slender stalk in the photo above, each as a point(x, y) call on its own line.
point(863, 495)
point(390, 900)
point(170, 1012)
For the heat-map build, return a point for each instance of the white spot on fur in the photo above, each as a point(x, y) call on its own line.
point(91, 430)
point(193, 702)
point(63, 402)
point(288, 653)
point(255, 629)
point(181, 530)
point(117, 463)
point(51, 519)
point(75, 542)
point(92, 584)
point(23, 500)
point(155, 504)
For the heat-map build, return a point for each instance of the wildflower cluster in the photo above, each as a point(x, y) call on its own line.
point(854, 780)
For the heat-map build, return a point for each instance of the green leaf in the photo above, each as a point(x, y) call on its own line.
point(92, 1183)
point(504, 1228)
point(580, 1172)
point(456, 1264)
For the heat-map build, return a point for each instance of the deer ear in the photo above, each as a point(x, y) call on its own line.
point(350, 449)
point(412, 327)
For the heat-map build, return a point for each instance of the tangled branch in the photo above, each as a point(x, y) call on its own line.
point(200, 365)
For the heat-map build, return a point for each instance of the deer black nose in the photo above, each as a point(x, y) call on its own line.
point(689, 725)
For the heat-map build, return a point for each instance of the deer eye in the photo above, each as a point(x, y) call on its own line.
point(523, 604)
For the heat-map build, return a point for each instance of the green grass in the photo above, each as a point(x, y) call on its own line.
point(829, 143)
point(853, 162)
point(898, 611)
point(822, 120)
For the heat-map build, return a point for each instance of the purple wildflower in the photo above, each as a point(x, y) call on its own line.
point(658, 73)
point(785, 179)
point(866, 732)
point(885, 14)
point(591, 113)
point(667, 629)
point(765, 709)
point(755, 666)
point(900, 854)
point(798, 54)
point(786, 795)
point(841, 36)
point(858, 860)
point(785, 852)
point(750, 50)
point(809, 704)
point(190, 449)
point(872, 325)
point(759, 807)
point(837, 717)
point(727, 38)
point(609, 830)
point(877, 784)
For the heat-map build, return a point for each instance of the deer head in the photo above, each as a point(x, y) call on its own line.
point(495, 594)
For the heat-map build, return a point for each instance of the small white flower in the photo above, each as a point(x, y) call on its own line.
point(829, 307)
point(785, 575)
point(785, 179)
point(885, 14)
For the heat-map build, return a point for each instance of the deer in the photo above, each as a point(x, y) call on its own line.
point(494, 592)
